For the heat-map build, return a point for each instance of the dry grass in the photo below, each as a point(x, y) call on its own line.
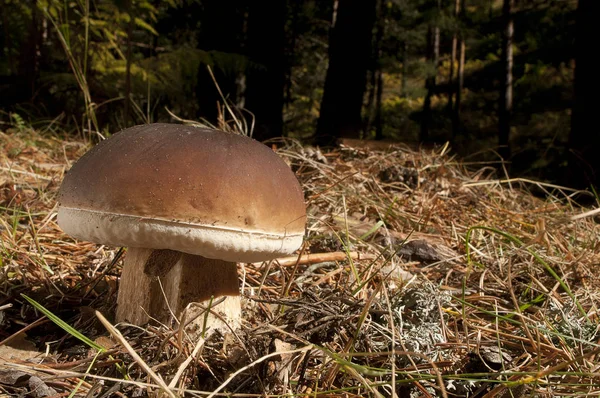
point(395, 307)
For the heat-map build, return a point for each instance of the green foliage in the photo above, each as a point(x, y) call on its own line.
point(18, 121)
point(80, 49)
point(173, 75)
point(63, 325)
point(16, 22)
point(518, 243)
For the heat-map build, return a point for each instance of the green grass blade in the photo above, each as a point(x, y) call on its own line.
point(539, 259)
point(62, 324)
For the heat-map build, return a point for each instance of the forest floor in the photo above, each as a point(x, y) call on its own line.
point(420, 276)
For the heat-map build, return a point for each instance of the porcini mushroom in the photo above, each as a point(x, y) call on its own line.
point(189, 203)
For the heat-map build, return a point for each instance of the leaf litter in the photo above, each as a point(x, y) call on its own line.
point(383, 300)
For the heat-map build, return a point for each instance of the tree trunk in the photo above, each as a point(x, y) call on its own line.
point(506, 93)
point(371, 93)
point(349, 54)
point(451, 85)
point(372, 102)
point(378, 122)
point(295, 8)
point(218, 38)
point(127, 105)
point(584, 140)
point(404, 91)
point(459, 78)
point(30, 52)
point(430, 83)
point(336, 4)
point(265, 85)
point(8, 47)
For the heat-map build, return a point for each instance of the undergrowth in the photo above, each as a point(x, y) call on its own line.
point(419, 277)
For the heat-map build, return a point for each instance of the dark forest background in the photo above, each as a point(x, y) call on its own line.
point(498, 79)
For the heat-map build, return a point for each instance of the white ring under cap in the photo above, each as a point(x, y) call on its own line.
point(227, 244)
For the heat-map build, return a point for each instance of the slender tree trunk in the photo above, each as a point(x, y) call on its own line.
point(295, 9)
point(450, 103)
point(219, 39)
point(29, 54)
point(506, 92)
point(436, 51)
point(336, 4)
point(430, 82)
point(126, 108)
point(238, 95)
point(375, 67)
point(265, 86)
point(451, 85)
point(349, 54)
point(371, 92)
point(379, 73)
point(404, 91)
point(459, 88)
point(8, 42)
point(456, 125)
point(378, 120)
point(584, 140)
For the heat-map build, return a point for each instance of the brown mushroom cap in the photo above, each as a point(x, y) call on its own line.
point(199, 191)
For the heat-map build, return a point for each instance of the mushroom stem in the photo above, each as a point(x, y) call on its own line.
point(184, 278)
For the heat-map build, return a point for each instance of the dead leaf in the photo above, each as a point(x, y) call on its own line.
point(17, 378)
point(20, 349)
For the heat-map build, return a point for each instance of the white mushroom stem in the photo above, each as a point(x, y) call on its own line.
point(184, 278)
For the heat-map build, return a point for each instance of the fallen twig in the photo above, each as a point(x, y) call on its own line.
point(315, 258)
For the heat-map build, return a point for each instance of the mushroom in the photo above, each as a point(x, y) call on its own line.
point(189, 203)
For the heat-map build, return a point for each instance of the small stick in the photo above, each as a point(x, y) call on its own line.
point(35, 323)
point(586, 214)
point(116, 334)
point(315, 258)
point(185, 363)
point(259, 360)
